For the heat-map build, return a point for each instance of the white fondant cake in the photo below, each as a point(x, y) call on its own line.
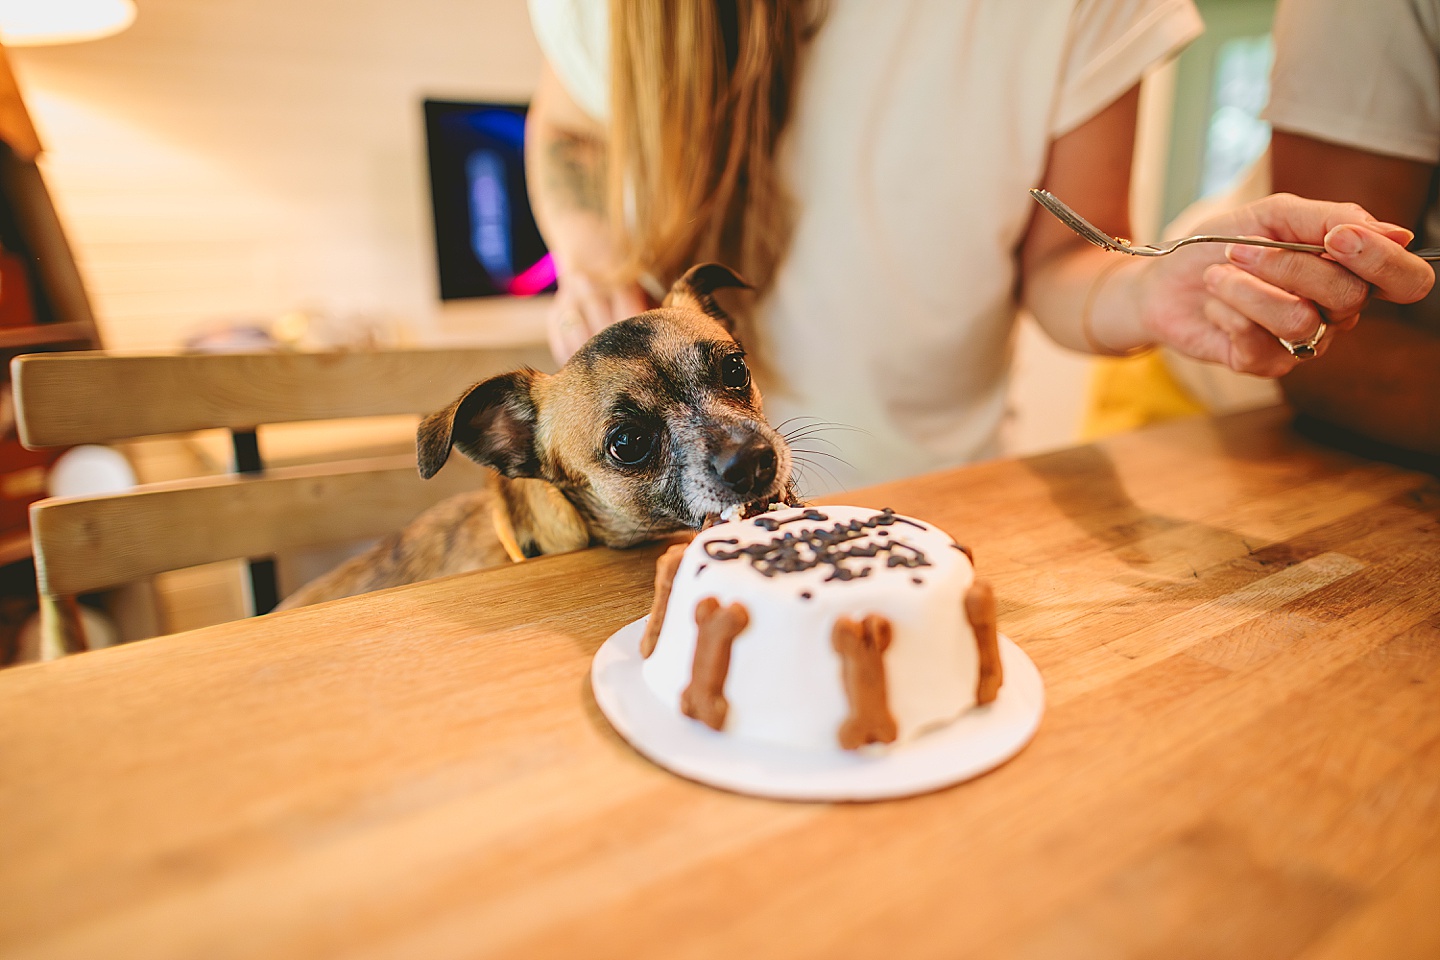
point(796, 571)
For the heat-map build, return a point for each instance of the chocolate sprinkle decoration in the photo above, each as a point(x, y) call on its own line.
point(805, 595)
point(701, 569)
point(796, 552)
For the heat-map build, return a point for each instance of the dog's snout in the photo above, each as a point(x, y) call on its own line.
point(747, 468)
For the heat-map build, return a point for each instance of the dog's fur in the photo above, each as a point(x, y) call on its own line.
point(549, 441)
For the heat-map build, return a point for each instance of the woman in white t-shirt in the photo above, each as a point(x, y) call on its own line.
point(866, 167)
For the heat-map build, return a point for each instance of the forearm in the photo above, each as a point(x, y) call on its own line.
point(1089, 300)
point(1061, 274)
point(1381, 379)
point(565, 169)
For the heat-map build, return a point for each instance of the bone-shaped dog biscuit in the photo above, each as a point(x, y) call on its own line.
point(665, 569)
point(862, 649)
point(704, 698)
point(980, 611)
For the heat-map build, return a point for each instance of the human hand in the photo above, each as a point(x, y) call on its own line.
point(1229, 305)
point(583, 306)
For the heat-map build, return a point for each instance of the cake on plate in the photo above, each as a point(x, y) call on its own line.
point(822, 628)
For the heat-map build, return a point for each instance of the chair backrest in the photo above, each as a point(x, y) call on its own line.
point(63, 399)
point(86, 544)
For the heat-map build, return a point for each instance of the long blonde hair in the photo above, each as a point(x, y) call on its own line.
point(700, 91)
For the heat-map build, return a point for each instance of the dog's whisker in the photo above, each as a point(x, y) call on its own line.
point(824, 453)
point(821, 467)
point(804, 487)
point(795, 444)
point(819, 433)
point(817, 424)
point(780, 427)
point(834, 462)
point(801, 434)
point(808, 451)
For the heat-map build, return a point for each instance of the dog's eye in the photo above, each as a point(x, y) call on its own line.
point(630, 444)
point(733, 372)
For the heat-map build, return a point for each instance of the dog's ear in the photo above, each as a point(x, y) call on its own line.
point(696, 291)
point(493, 423)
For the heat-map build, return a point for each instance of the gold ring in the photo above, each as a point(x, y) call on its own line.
point(1304, 349)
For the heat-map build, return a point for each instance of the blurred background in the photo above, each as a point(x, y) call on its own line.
point(259, 161)
point(239, 174)
point(243, 160)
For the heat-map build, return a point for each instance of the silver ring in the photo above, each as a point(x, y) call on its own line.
point(571, 319)
point(1304, 349)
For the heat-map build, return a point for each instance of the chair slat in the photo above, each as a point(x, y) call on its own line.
point(95, 543)
point(66, 399)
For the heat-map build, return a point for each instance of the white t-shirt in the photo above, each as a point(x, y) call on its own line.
point(1364, 74)
point(918, 127)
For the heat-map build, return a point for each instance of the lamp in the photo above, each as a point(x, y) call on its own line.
point(27, 23)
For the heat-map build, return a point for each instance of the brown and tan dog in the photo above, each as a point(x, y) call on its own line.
point(650, 428)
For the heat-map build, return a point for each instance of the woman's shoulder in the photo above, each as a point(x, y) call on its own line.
point(574, 36)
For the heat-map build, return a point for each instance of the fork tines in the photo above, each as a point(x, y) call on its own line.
point(1073, 220)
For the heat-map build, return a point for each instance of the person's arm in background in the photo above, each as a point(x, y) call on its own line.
point(565, 175)
point(1383, 380)
point(1195, 300)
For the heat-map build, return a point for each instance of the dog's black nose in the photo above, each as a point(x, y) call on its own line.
point(748, 468)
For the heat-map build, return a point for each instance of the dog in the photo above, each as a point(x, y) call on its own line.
point(652, 428)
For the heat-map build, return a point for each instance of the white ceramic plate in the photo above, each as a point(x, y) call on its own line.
point(980, 740)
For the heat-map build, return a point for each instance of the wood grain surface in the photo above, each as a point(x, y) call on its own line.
point(1240, 637)
point(95, 543)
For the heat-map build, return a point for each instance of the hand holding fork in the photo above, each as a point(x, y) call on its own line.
point(1397, 277)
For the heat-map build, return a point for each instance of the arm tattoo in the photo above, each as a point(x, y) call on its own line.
point(575, 171)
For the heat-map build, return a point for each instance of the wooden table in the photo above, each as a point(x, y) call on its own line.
point(1240, 636)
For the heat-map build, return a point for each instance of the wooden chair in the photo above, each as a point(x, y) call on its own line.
point(90, 544)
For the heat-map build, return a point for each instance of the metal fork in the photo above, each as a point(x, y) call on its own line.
point(1100, 238)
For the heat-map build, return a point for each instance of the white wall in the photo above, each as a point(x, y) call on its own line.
point(240, 159)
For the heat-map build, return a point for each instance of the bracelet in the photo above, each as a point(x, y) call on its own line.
point(1095, 346)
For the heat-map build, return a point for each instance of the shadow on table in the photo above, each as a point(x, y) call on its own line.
point(1084, 484)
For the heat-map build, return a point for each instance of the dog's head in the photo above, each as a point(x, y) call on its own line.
point(653, 425)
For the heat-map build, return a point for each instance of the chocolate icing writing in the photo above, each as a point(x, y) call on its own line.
point(794, 552)
point(771, 524)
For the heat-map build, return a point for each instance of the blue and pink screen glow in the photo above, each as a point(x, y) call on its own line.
point(486, 240)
